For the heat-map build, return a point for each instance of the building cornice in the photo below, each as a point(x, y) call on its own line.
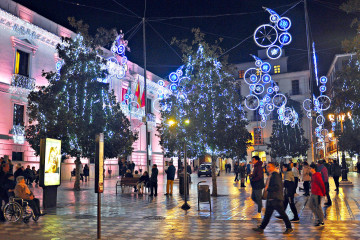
point(28, 30)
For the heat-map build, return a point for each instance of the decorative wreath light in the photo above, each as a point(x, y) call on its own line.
point(259, 80)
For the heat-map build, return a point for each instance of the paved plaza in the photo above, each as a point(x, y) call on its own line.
point(131, 216)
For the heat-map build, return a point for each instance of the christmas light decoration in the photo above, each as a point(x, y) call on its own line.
point(267, 35)
point(264, 94)
point(318, 106)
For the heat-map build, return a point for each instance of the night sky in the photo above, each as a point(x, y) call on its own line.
point(233, 20)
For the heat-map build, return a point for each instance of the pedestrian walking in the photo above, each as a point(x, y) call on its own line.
point(257, 182)
point(317, 191)
point(274, 200)
point(358, 166)
point(242, 173)
point(325, 177)
point(170, 174)
point(153, 180)
point(86, 172)
point(289, 191)
point(295, 170)
point(248, 170)
point(336, 171)
point(236, 171)
point(306, 178)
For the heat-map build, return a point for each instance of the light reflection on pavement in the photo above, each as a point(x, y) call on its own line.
point(129, 216)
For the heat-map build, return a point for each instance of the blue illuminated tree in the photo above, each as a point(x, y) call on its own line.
point(76, 105)
point(210, 98)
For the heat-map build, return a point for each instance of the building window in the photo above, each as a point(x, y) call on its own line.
point(17, 156)
point(18, 118)
point(22, 63)
point(277, 69)
point(148, 105)
point(257, 136)
point(295, 89)
point(241, 74)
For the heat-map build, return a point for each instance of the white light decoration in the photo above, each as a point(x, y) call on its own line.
point(18, 134)
point(267, 35)
point(320, 104)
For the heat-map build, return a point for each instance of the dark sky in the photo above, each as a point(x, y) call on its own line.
point(175, 18)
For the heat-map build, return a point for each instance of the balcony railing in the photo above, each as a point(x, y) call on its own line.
point(18, 132)
point(22, 85)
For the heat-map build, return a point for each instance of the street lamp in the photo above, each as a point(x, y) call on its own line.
point(186, 122)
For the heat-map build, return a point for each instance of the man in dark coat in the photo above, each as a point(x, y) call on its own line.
point(257, 182)
point(170, 173)
point(336, 173)
point(153, 180)
point(274, 200)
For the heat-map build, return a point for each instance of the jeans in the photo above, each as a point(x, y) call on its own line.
point(327, 189)
point(296, 183)
point(277, 205)
point(169, 184)
point(307, 187)
point(256, 196)
point(290, 199)
point(315, 206)
point(154, 185)
point(336, 180)
point(236, 177)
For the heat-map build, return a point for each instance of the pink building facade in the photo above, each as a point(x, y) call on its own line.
point(27, 47)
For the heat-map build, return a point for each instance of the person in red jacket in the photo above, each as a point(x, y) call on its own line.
point(317, 191)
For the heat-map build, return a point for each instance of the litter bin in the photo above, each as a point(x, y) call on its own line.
point(181, 184)
point(203, 194)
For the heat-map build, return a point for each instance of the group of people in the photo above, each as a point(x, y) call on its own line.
point(124, 166)
point(281, 186)
point(16, 185)
point(144, 180)
point(240, 169)
point(84, 172)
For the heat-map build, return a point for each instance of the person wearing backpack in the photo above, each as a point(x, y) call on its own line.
point(336, 171)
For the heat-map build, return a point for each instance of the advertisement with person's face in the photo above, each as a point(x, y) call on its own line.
point(52, 162)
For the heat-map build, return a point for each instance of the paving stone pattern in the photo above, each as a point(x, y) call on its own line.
point(131, 216)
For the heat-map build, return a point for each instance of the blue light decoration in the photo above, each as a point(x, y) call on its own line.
point(317, 106)
point(115, 68)
point(273, 33)
point(264, 94)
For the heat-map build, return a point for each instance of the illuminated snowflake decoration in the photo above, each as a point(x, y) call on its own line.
point(264, 94)
point(117, 68)
point(273, 35)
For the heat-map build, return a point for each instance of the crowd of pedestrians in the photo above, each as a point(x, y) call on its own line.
point(16, 184)
point(282, 185)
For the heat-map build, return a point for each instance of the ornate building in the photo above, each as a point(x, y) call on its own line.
point(28, 46)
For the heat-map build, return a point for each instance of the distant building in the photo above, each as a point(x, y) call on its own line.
point(332, 152)
point(27, 47)
point(295, 84)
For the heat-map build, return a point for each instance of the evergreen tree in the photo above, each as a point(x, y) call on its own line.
point(286, 140)
point(346, 87)
point(76, 105)
point(209, 97)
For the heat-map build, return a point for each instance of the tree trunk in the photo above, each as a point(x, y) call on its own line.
point(213, 175)
point(77, 174)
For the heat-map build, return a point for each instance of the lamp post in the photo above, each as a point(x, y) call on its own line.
point(185, 206)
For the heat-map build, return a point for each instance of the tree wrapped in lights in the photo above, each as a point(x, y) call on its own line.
point(286, 140)
point(76, 105)
point(210, 97)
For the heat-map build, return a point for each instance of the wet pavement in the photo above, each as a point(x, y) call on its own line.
point(131, 216)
